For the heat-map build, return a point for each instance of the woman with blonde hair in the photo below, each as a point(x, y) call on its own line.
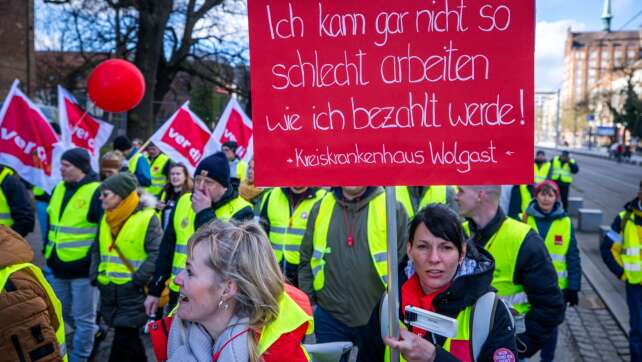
point(233, 303)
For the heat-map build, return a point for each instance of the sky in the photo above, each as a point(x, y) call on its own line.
point(555, 16)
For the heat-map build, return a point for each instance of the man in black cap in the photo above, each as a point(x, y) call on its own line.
point(73, 216)
point(238, 167)
point(213, 198)
point(137, 164)
point(563, 169)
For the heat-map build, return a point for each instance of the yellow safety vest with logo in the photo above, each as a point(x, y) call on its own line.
point(131, 243)
point(377, 238)
point(158, 177)
point(504, 247)
point(557, 241)
point(291, 316)
point(541, 173)
point(561, 173)
point(183, 222)
point(287, 226)
point(5, 210)
point(133, 162)
point(6, 272)
point(433, 195)
point(70, 233)
point(627, 248)
point(464, 321)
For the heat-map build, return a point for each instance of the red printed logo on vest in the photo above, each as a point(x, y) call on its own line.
point(503, 355)
point(559, 240)
point(155, 169)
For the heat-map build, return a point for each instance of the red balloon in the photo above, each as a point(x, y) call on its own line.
point(116, 85)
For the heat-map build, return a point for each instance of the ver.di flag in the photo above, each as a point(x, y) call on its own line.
point(234, 125)
point(28, 143)
point(184, 138)
point(79, 129)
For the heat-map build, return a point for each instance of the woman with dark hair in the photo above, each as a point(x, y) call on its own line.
point(449, 278)
point(180, 182)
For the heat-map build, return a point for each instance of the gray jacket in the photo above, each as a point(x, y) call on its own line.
point(122, 305)
point(352, 287)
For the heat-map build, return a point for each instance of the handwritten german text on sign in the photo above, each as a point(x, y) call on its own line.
point(348, 92)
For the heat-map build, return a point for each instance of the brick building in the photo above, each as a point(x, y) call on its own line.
point(17, 58)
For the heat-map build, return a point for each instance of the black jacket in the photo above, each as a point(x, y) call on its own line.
point(471, 282)
point(79, 268)
point(22, 210)
point(168, 244)
point(535, 273)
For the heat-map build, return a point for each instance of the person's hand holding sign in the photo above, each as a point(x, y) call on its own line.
point(412, 347)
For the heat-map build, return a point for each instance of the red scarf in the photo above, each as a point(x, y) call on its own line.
point(412, 294)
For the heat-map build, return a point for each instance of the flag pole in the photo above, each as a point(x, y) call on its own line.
point(393, 263)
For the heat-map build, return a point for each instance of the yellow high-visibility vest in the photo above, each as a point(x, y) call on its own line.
point(377, 238)
point(562, 173)
point(131, 243)
point(628, 248)
point(557, 241)
point(433, 195)
point(541, 173)
point(5, 210)
point(71, 233)
point(287, 226)
point(6, 272)
point(183, 222)
point(158, 177)
point(504, 246)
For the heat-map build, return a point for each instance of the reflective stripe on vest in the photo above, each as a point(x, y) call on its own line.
point(432, 195)
point(557, 241)
point(504, 246)
point(183, 222)
point(5, 210)
point(286, 229)
point(561, 173)
point(631, 259)
point(158, 178)
point(6, 272)
point(541, 173)
point(377, 238)
point(291, 316)
point(131, 243)
point(70, 233)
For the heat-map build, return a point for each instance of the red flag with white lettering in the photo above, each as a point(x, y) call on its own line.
point(28, 143)
point(184, 138)
point(235, 125)
point(79, 129)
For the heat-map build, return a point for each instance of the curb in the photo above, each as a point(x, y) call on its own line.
point(589, 154)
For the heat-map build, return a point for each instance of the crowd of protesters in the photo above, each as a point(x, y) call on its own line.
point(219, 269)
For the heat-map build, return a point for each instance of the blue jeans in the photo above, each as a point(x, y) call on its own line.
point(547, 354)
point(79, 300)
point(41, 214)
point(367, 338)
point(634, 301)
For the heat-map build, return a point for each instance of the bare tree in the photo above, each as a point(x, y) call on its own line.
point(162, 38)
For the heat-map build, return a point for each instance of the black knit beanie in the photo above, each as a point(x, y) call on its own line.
point(78, 157)
point(215, 167)
point(121, 184)
point(122, 143)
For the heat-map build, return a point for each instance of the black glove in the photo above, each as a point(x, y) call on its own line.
point(571, 297)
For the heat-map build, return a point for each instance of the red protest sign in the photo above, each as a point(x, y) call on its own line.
point(184, 138)
point(235, 125)
point(80, 129)
point(392, 93)
point(27, 140)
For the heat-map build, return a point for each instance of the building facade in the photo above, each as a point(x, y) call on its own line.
point(17, 58)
